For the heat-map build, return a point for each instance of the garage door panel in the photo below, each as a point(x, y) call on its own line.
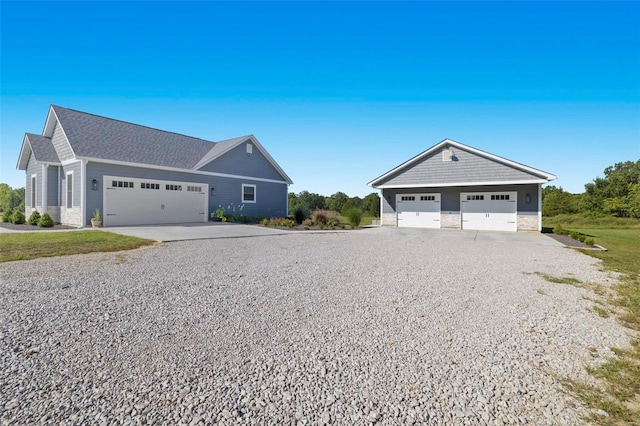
point(418, 210)
point(147, 201)
point(494, 211)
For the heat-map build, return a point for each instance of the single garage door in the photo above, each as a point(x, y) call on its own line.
point(132, 201)
point(492, 211)
point(418, 210)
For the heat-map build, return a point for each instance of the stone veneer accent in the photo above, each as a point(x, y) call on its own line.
point(70, 216)
point(389, 219)
point(450, 220)
point(527, 222)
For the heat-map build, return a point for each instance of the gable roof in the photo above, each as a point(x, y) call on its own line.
point(94, 137)
point(41, 148)
point(541, 176)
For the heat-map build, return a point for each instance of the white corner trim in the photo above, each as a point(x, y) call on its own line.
point(44, 179)
point(83, 189)
point(67, 176)
point(540, 207)
point(33, 195)
point(444, 185)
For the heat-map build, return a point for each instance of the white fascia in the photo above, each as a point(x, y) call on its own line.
point(176, 169)
point(445, 185)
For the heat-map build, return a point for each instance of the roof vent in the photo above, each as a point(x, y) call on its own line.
point(447, 154)
point(249, 149)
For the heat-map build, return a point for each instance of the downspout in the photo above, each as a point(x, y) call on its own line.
point(83, 193)
point(45, 170)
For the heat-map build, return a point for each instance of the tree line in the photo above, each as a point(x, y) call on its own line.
point(10, 198)
point(339, 202)
point(616, 194)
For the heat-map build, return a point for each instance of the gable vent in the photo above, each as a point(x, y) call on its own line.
point(447, 154)
point(249, 149)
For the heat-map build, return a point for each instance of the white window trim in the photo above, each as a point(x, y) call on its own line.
point(69, 175)
point(255, 193)
point(34, 197)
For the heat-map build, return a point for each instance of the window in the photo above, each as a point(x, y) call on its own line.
point(70, 190)
point(147, 185)
point(447, 154)
point(248, 193)
point(249, 148)
point(122, 184)
point(427, 198)
point(500, 197)
point(475, 197)
point(33, 191)
point(194, 188)
point(173, 187)
point(408, 198)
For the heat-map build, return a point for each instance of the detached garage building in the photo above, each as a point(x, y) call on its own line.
point(452, 185)
point(137, 175)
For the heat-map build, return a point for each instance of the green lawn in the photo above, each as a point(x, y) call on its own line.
point(31, 245)
point(619, 393)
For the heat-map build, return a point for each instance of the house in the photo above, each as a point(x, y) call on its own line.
point(137, 175)
point(452, 185)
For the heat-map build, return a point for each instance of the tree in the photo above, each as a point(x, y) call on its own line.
point(371, 204)
point(306, 200)
point(11, 198)
point(336, 201)
point(617, 193)
point(557, 201)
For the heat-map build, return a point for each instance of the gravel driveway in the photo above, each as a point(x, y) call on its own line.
point(343, 328)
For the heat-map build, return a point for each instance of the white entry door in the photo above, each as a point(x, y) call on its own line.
point(133, 201)
point(418, 210)
point(491, 211)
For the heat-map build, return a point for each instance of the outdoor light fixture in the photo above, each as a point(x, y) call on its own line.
point(94, 184)
point(213, 191)
point(527, 198)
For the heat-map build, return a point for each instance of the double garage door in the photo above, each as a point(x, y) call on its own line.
point(494, 211)
point(132, 201)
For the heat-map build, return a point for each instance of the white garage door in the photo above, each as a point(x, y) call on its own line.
point(493, 211)
point(418, 210)
point(131, 201)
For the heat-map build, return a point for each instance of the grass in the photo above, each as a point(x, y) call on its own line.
point(619, 392)
point(32, 245)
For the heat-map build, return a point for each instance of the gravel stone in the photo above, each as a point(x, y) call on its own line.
point(384, 326)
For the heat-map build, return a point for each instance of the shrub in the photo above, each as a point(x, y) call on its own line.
point(589, 241)
point(319, 217)
point(582, 237)
point(18, 217)
point(320, 225)
point(264, 222)
point(558, 229)
point(34, 218)
point(45, 221)
point(355, 217)
point(280, 221)
point(299, 214)
point(228, 218)
point(574, 235)
point(7, 215)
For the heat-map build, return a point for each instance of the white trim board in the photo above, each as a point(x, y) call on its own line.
point(443, 185)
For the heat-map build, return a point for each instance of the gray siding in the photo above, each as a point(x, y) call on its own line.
point(76, 169)
point(33, 168)
point(468, 167)
point(271, 197)
point(237, 162)
point(61, 144)
point(52, 186)
point(450, 198)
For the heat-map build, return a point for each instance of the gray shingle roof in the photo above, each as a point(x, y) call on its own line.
point(105, 138)
point(42, 148)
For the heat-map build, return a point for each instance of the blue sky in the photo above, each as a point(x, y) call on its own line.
point(338, 93)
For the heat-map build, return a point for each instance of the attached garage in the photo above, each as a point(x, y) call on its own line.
point(420, 210)
point(495, 211)
point(452, 185)
point(132, 201)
